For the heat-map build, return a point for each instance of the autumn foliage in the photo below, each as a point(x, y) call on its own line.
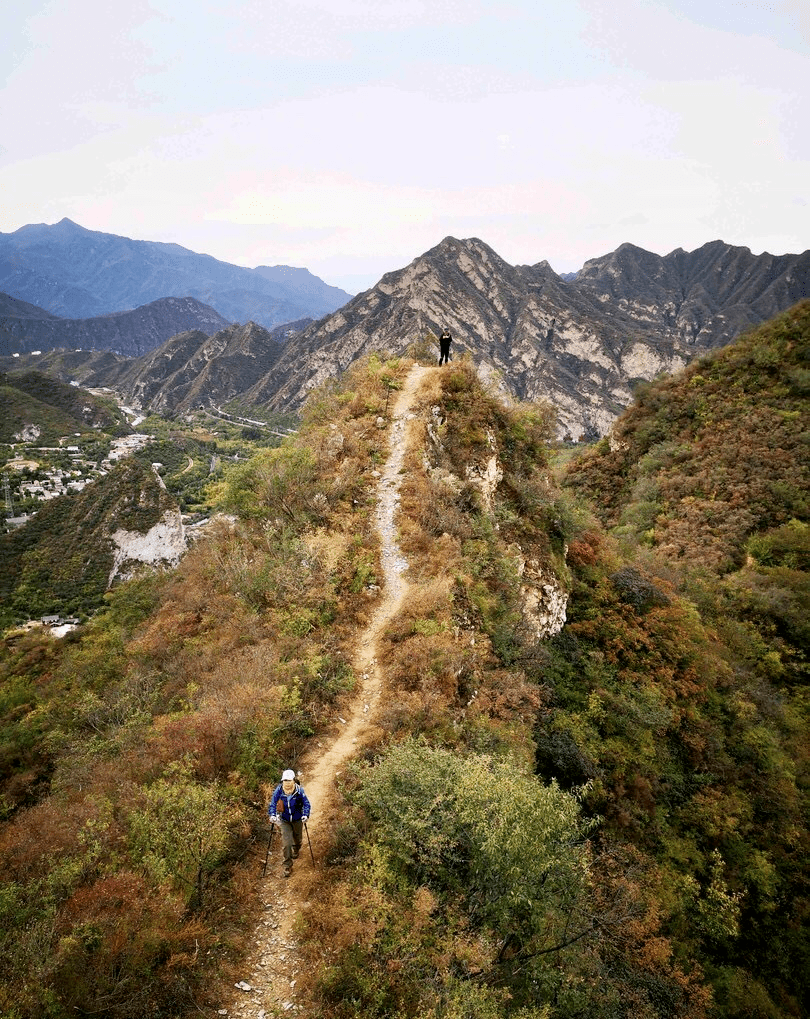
point(607, 821)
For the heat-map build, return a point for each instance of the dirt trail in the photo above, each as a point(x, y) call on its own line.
point(269, 987)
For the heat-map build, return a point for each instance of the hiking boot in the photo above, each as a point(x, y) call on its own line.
point(295, 854)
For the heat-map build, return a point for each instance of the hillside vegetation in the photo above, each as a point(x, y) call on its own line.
point(607, 822)
point(61, 561)
point(55, 408)
point(703, 460)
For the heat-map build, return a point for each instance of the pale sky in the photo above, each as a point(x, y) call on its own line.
point(349, 137)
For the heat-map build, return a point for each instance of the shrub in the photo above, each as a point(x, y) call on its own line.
point(181, 831)
point(514, 848)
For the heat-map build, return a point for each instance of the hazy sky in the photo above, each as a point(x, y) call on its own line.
point(349, 137)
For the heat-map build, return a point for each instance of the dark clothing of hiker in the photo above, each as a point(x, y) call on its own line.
point(289, 808)
point(444, 346)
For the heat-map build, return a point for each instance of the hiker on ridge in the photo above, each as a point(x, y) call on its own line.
point(444, 346)
point(289, 808)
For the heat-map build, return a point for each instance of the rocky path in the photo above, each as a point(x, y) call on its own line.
point(269, 987)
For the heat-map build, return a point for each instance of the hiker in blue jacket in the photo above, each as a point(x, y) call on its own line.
point(289, 809)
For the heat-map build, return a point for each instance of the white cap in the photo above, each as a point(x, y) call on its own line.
point(288, 776)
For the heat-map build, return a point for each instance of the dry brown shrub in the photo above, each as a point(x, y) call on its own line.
point(244, 684)
point(415, 712)
point(430, 391)
point(36, 838)
point(329, 546)
point(340, 920)
point(112, 932)
point(505, 694)
point(241, 690)
point(585, 549)
point(431, 600)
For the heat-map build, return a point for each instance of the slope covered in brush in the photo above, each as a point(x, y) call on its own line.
point(582, 793)
point(48, 409)
point(679, 682)
point(134, 754)
point(705, 459)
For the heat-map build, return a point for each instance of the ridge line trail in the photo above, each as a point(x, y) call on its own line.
point(272, 965)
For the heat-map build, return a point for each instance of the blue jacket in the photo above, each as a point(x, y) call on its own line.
point(294, 807)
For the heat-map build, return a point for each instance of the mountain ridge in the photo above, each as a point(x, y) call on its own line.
point(25, 328)
point(79, 273)
point(581, 343)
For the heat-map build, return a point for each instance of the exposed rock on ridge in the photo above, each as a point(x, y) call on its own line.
point(543, 599)
point(580, 344)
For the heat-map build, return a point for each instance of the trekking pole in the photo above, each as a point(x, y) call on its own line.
point(309, 844)
point(267, 854)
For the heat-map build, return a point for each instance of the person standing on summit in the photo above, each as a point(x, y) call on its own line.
point(444, 346)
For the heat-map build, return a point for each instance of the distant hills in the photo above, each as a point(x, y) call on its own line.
point(25, 328)
point(188, 370)
point(42, 408)
point(75, 273)
point(193, 369)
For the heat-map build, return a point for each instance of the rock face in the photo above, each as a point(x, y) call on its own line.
point(164, 543)
point(579, 343)
point(25, 328)
point(79, 273)
point(543, 600)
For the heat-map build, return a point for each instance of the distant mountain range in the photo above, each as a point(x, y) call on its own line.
point(581, 343)
point(77, 273)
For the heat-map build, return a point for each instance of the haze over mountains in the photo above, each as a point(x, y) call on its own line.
point(581, 342)
point(78, 273)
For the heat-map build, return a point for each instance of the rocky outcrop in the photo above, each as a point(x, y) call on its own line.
point(163, 544)
point(543, 599)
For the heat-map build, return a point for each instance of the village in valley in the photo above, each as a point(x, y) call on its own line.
point(186, 455)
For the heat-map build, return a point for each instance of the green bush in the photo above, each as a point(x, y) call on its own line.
point(515, 849)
